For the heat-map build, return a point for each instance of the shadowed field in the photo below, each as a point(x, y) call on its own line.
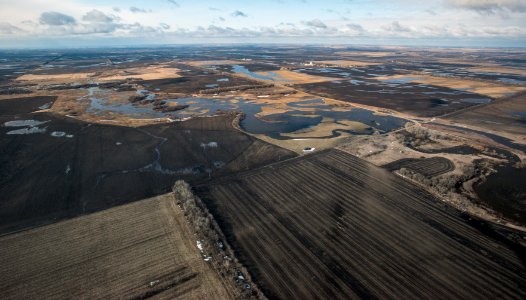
point(330, 225)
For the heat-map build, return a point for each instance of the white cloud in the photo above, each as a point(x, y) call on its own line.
point(490, 6)
point(397, 27)
point(316, 23)
point(97, 16)
point(31, 19)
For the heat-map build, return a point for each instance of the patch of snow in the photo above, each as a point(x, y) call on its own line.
point(28, 130)
point(209, 145)
point(23, 123)
point(45, 106)
point(58, 134)
point(152, 283)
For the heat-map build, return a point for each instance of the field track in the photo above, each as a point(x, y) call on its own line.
point(135, 251)
point(429, 167)
point(330, 225)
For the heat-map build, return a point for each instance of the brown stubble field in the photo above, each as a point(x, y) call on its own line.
point(497, 117)
point(330, 225)
point(136, 251)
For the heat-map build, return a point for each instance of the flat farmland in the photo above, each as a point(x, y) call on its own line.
point(331, 225)
point(507, 115)
point(136, 251)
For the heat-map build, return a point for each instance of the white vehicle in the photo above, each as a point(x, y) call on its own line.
point(308, 150)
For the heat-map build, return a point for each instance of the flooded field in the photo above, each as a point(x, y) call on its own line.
point(300, 115)
point(372, 85)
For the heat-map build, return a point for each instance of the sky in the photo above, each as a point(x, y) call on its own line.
point(97, 23)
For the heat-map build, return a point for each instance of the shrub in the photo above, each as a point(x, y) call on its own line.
point(213, 242)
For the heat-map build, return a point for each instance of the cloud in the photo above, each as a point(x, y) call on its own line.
point(489, 7)
point(108, 23)
point(134, 9)
point(6, 28)
point(116, 9)
point(238, 13)
point(97, 22)
point(94, 22)
point(97, 16)
point(355, 28)
point(316, 23)
point(397, 27)
point(54, 18)
point(431, 12)
point(173, 2)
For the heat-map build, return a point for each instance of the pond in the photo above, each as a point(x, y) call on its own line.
point(268, 75)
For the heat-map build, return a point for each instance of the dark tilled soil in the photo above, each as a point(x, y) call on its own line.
point(505, 192)
point(44, 178)
point(408, 98)
point(189, 84)
point(332, 226)
point(24, 105)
